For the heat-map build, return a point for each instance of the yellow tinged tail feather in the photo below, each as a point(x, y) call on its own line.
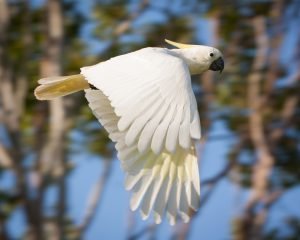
point(54, 87)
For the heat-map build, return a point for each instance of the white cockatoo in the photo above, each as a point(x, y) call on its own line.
point(144, 100)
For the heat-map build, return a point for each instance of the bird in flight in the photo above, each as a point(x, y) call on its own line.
point(144, 100)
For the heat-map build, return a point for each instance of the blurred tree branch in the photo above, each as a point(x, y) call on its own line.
point(290, 105)
point(9, 115)
point(143, 232)
point(6, 160)
point(252, 222)
point(53, 157)
point(126, 24)
point(95, 197)
point(265, 160)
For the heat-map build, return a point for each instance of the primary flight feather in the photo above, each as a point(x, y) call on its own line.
point(145, 101)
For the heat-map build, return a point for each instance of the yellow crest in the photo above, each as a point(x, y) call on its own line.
point(178, 45)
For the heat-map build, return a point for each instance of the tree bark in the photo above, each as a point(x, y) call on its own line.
point(263, 166)
point(52, 158)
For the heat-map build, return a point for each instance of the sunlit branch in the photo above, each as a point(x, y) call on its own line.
point(95, 197)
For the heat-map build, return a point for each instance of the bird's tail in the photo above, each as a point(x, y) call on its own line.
point(53, 87)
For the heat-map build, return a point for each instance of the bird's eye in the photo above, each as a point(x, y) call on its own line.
point(211, 54)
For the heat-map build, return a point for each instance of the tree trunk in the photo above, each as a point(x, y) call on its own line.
point(52, 160)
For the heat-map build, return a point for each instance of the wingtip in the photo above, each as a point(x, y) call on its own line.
point(172, 220)
point(157, 218)
point(144, 216)
point(185, 218)
point(133, 205)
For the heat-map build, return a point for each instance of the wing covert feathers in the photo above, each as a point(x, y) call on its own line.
point(162, 183)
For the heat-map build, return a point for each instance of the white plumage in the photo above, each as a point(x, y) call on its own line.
point(145, 102)
point(149, 107)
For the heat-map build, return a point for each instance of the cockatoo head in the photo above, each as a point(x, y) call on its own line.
point(199, 58)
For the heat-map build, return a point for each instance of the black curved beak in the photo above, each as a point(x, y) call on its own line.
point(217, 65)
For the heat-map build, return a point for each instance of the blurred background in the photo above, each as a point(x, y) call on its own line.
point(59, 176)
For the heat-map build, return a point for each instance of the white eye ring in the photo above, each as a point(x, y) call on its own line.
point(211, 54)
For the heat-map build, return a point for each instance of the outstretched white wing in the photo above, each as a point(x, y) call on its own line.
point(145, 102)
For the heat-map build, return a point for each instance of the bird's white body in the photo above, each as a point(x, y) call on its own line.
point(145, 101)
point(139, 84)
